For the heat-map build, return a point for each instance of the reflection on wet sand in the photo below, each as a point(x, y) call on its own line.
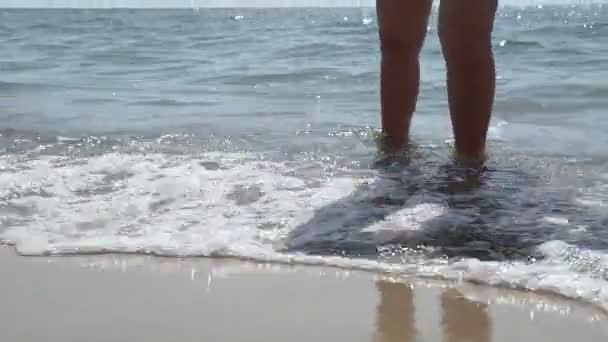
point(395, 313)
point(463, 320)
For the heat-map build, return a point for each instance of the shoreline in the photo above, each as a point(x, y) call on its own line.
point(113, 297)
point(284, 265)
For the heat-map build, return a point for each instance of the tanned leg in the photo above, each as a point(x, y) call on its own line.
point(465, 32)
point(402, 29)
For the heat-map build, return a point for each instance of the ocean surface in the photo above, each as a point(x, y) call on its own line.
point(251, 133)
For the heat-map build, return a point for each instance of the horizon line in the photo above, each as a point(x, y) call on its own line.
point(259, 7)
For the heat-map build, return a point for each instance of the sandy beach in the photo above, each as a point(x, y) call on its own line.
point(141, 298)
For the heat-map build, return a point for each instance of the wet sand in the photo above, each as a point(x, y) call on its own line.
point(141, 298)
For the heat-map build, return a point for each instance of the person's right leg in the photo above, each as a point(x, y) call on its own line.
point(402, 27)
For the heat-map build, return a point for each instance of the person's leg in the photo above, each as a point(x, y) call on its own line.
point(465, 31)
point(402, 28)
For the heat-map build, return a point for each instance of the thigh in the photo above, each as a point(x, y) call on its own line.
point(403, 23)
point(466, 23)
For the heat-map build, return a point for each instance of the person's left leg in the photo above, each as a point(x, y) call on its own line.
point(465, 32)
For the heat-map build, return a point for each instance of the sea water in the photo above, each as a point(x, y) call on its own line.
point(251, 133)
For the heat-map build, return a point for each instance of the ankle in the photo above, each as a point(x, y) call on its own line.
point(474, 161)
point(393, 143)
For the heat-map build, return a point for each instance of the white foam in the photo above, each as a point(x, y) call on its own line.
point(157, 203)
point(562, 221)
point(242, 207)
point(496, 130)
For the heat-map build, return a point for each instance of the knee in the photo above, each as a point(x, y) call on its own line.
point(399, 46)
point(465, 47)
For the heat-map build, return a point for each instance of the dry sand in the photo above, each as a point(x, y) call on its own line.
point(140, 298)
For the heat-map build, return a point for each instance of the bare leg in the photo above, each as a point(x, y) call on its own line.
point(402, 28)
point(465, 31)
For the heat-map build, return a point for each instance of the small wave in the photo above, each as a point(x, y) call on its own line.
point(352, 28)
point(18, 86)
point(262, 78)
point(267, 114)
point(43, 26)
point(309, 50)
point(171, 103)
point(515, 105)
point(596, 90)
point(123, 58)
point(95, 100)
point(47, 46)
point(28, 66)
point(5, 30)
point(568, 89)
point(519, 44)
